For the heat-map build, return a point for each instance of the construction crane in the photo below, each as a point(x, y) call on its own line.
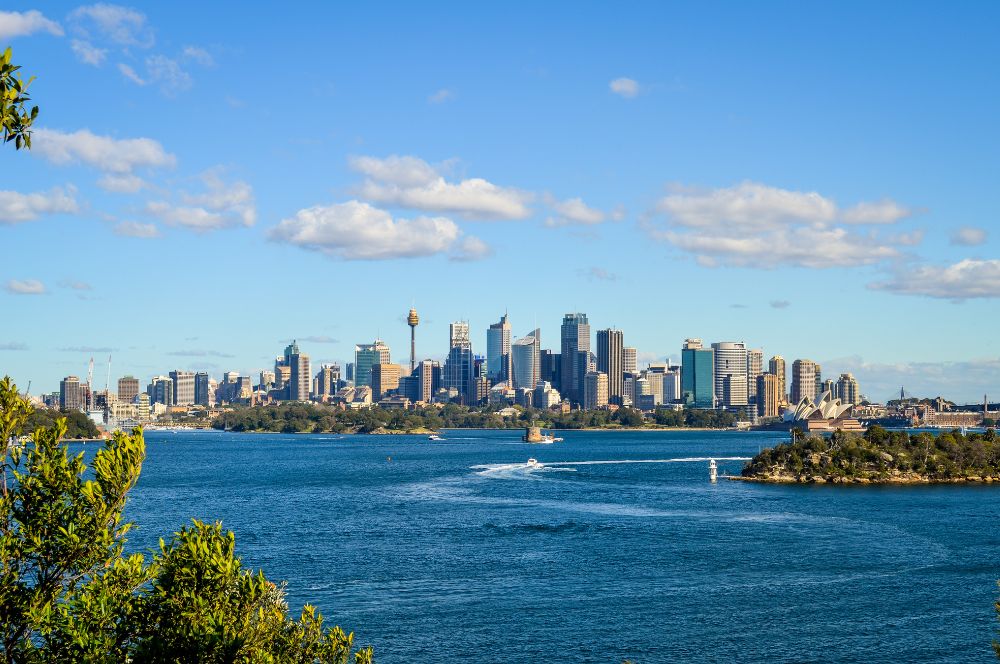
point(90, 385)
point(107, 383)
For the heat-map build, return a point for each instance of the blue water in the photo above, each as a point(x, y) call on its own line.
point(456, 551)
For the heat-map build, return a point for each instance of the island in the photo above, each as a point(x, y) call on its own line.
point(879, 456)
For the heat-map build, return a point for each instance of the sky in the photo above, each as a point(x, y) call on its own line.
point(209, 181)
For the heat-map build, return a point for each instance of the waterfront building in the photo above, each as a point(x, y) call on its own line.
point(595, 390)
point(183, 386)
point(575, 354)
point(525, 354)
point(848, 391)
point(697, 375)
point(498, 351)
point(755, 367)
point(71, 394)
point(611, 360)
point(804, 381)
point(128, 388)
point(776, 366)
point(385, 379)
point(161, 390)
point(202, 389)
point(365, 357)
point(630, 359)
point(768, 395)
point(730, 374)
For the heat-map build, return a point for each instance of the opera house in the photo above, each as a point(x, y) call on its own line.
point(828, 414)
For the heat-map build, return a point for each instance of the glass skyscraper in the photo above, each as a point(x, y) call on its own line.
point(697, 375)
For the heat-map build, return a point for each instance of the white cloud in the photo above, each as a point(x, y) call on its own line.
point(441, 96)
point(573, 211)
point(969, 236)
point(221, 205)
point(16, 207)
point(168, 74)
point(598, 274)
point(410, 182)
point(75, 285)
point(471, 249)
point(25, 287)
point(122, 184)
point(108, 154)
point(87, 53)
point(754, 225)
point(624, 87)
point(357, 231)
point(136, 229)
point(199, 55)
point(13, 345)
point(131, 74)
point(22, 24)
point(122, 26)
point(963, 280)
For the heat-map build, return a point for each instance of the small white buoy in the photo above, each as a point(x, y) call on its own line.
point(713, 470)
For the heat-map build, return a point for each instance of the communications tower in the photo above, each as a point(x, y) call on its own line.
point(413, 320)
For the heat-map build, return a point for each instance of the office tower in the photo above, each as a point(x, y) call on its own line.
point(142, 407)
point(365, 357)
point(551, 367)
point(819, 380)
point(672, 385)
point(128, 388)
point(525, 356)
point(300, 373)
point(459, 367)
point(244, 389)
point(768, 395)
point(755, 367)
point(282, 377)
point(575, 352)
point(202, 389)
point(595, 390)
point(71, 394)
point(611, 360)
point(654, 385)
point(498, 357)
point(412, 319)
point(697, 375)
point(730, 374)
point(777, 367)
point(161, 390)
point(426, 384)
point(847, 389)
point(630, 361)
point(266, 380)
point(183, 386)
point(829, 386)
point(327, 381)
point(385, 379)
point(803, 381)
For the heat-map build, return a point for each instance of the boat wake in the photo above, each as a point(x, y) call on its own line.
point(618, 461)
point(517, 469)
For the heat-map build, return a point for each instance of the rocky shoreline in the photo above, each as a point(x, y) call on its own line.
point(894, 478)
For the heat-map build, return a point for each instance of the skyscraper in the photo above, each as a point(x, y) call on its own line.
point(128, 388)
point(819, 380)
point(777, 367)
point(458, 334)
point(498, 358)
point(768, 395)
point(459, 367)
point(755, 367)
point(595, 392)
point(730, 373)
point(385, 378)
point(183, 386)
point(202, 389)
point(365, 357)
point(631, 360)
point(575, 337)
point(71, 394)
point(803, 381)
point(611, 360)
point(525, 355)
point(697, 375)
point(300, 378)
point(847, 389)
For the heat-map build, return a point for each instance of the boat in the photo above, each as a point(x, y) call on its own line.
point(434, 437)
point(534, 435)
point(533, 463)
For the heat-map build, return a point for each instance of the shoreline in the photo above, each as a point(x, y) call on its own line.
point(887, 481)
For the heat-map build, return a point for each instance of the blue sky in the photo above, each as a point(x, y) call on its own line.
point(208, 181)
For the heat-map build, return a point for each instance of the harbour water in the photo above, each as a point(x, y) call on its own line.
point(457, 550)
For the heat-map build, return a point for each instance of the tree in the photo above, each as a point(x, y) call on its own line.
point(14, 118)
point(68, 592)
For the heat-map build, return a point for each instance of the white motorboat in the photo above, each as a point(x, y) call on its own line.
point(533, 463)
point(434, 437)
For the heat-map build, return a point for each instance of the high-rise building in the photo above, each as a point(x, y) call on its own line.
point(300, 373)
point(777, 367)
point(71, 394)
point(819, 380)
point(202, 389)
point(575, 338)
point(630, 362)
point(161, 390)
point(551, 367)
point(697, 375)
point(365, 357)
point(847, 389)
point(327, 381)
point(611, 360)
point(804, 377)
point(730, 374)
point(595, 390)
point(829, 386)
point(458, 334)
point(672, 385)
point(768, 395)
point(128, 388)
point(459, 368)
point(755, 367)
point(183, 386)
point(498, 357)
point(385, 378)
point(525, 354)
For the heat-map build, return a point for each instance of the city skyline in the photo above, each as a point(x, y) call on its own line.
point(673, 173)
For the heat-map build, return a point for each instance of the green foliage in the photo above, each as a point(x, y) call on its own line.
point(68, 592)
point(14, 117)
point(78, 425)
point(882, 455)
